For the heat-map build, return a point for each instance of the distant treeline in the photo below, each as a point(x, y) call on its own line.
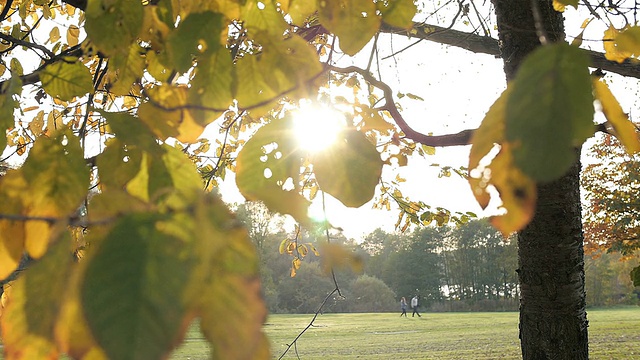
point(466, 268)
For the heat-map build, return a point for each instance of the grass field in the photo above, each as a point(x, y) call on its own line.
point(613, 334)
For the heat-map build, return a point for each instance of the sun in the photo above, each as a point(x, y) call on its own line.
point(317, 127)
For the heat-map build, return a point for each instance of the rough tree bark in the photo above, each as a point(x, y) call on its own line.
point(553, 320)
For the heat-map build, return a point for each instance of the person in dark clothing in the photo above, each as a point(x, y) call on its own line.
point(414, 306)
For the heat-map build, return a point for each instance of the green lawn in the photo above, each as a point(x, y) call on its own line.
point(613, 334)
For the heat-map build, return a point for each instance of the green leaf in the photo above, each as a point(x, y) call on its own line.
point(199, 33)
point(263, 16)
point(132, 291)
point(291, 63)
point(211, 86)
point(300, 10)
point(549, 111)
point(354, 22)
point(8, 104)
point(113, 25)
point(66, 80)
point(350, 169)
point(225, 288)
point(118, 164)
point(398, 13)
point(268, 161)
point(131, 131)
point(129, 67)
point(635, 276)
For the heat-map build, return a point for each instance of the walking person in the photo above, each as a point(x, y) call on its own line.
point(403, 306)
point(414, 306)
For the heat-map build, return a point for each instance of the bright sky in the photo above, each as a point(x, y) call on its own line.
point(458, 87)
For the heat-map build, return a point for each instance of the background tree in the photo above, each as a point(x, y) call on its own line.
point(612, 185)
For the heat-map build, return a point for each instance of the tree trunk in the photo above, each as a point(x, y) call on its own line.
point(553, 321)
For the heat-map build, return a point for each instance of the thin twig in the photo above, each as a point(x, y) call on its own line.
point(538, 23)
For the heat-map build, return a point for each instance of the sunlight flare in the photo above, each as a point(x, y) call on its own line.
point(317, 127)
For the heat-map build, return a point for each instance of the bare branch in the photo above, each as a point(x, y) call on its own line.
point(487, 45)
point(461, 138)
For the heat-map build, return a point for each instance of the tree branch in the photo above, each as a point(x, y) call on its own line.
point(490, 46)
point(461, 138)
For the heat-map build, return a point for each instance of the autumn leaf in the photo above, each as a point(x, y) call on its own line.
point(32, 311)
point(560, 5)
point(517, 192)
point(489, 134)
point(612, 50)
point(628, 42)
point(168, 116)
point(336, 256)
point(625, 130)
point(8, 103)
point(350, 169)
point(58, 180)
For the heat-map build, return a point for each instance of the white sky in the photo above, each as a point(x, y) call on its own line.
point(458, 88)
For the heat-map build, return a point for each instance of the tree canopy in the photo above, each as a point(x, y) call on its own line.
point(105, 101)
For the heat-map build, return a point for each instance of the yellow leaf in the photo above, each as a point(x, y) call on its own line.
point(283, 246)
point(611, 48)
point(490, 133)
point(37, 234)
point(32, 309)
point(167, 115)
point(11, 245)
point(629, 41)
point(560, 5)
point(517, 191)
point(36, 125)
point(73, 34)
point(54, 35)
point(338, 256)
point(625, 130)
point(58, 179)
